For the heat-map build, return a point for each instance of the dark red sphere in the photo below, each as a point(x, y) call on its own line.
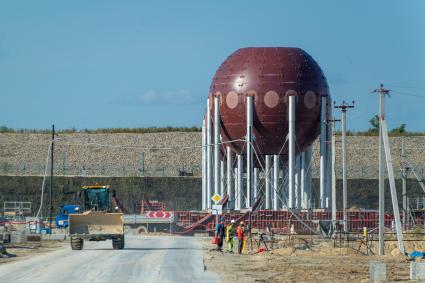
point(270, 75)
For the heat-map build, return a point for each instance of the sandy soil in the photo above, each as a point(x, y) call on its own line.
point(306, 261)
point(29, 249)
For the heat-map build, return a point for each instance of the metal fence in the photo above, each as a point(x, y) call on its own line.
point(103, 170)
point(24, 169)
point(17, 207)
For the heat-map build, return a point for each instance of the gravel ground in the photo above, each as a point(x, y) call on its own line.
point(318, 262)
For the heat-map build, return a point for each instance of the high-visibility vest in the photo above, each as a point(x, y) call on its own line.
point(229, 232)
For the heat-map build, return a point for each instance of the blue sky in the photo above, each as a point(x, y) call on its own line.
point(93, 64)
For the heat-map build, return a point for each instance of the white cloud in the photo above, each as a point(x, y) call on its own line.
point(168, 97)
point(153, 98)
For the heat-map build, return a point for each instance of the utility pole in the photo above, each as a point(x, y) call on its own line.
point(333, 179)
point(403, 181)
point(382, 93)
point(51, 179)
point(344, 106)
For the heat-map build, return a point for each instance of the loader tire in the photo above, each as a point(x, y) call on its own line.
point(77, 243)
point(118, 243)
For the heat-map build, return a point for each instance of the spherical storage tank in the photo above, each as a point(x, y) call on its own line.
point(270, 75)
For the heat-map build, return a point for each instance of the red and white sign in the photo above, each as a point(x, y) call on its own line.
point(160, 214)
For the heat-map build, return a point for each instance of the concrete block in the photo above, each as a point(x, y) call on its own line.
point(417, 271)
point(53, 237)
point(33, 238)
point(377, 271)
point(16, 237)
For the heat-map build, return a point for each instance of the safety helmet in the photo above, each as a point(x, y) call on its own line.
point(241, 223)
point(232, 221)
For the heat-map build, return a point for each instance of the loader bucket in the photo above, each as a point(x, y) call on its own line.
point(96, 223)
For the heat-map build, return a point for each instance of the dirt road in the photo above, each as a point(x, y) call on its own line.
point(144, 259)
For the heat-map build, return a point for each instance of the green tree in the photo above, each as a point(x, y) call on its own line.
point(374, 122)
point(399, 130)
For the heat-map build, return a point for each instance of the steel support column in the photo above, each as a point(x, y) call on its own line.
point(308, 178)
point(268, 177)
point(249, 163)
point(230, 189)
point(291, 152)
point(204, 166)
point(216, 145)
point(255, 185)
point(209, 155)
point(303, 182)
point(240, 182)
point(236, 188)
point(276, 182)
point(222, 179)
point(322, 197)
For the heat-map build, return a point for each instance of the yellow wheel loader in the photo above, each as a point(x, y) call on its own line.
point(99, 221)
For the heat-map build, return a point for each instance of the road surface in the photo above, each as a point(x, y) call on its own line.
point(144, 259)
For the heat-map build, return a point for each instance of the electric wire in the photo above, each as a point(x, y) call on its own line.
point(44, 178)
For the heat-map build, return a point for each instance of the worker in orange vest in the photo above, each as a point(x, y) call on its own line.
point(240, 233)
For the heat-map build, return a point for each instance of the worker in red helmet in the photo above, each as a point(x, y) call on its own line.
point(220, 233)
point(240, 233)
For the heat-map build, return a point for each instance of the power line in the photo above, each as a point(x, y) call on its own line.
point(404, 86)
point(407, 94)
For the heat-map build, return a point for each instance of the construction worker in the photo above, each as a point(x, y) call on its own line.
point(230, 231)
point(240, 233)
point(219, 233)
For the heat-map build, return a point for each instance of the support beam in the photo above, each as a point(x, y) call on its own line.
point(209, 155)
point(249, 165)
point(275, 182)
point(230, 188)
point(216, 145)
point(291, 152)
point(240, 182)
point(268, 177)
point(322, 197)
point(392, 186)
point(204, 166)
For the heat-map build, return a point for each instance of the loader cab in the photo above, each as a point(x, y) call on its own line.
point(96, 198)
point(63, 212)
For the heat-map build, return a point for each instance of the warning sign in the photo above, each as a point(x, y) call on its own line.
point(216, 198)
